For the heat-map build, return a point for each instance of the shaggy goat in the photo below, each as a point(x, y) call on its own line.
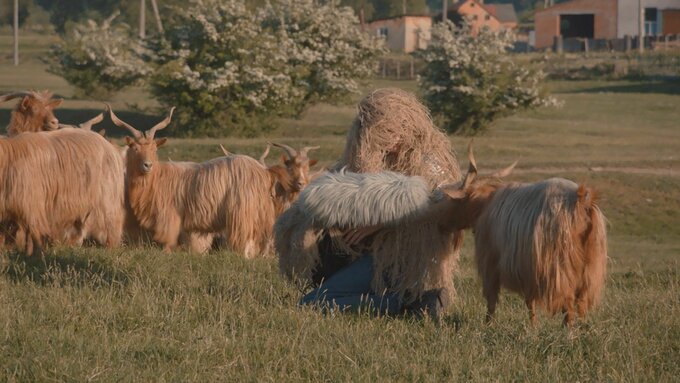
point(59, 182)
point(233, 195)
point(35, 112)
point(545, 240)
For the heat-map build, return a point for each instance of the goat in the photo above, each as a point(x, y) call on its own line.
point(232, 195)
point(58, 181)
point(34, 113)
point(545, 240)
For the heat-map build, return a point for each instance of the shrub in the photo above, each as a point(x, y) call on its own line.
point(99, 59)
point(470, 80)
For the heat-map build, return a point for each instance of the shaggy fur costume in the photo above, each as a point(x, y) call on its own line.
point(393, 131)
point(411, 252)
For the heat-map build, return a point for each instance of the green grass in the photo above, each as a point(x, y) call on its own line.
point(142, 315)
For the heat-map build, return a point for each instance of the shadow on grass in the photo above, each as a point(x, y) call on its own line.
point(139, 120)
point(670, 87)
point(62, 269)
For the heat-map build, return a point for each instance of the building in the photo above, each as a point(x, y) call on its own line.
point(605, 19)
point(403, 33)
point(480, 15)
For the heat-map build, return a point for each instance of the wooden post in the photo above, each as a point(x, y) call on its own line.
point(558, 43)
point(384, 68)
point(628, 43)
point(157, 15)
point(586, 48)
point(16, 32)
point(362, 19)
point(641, 27)
point(398, 69)
point(142, 19)
point(413, 74)
point(445, 10)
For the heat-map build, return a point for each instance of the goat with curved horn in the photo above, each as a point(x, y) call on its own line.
point(118, 122)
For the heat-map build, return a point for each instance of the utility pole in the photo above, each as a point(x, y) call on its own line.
point(158, 16)
point(641, 27)
point(445, 11)
point(142, 19)
point(403, 7)
point(16, 32)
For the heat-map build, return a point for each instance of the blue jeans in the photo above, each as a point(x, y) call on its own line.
point(350, 290)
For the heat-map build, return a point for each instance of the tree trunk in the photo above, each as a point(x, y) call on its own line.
point(142, 19)
point(16, 32)
point(157, 15)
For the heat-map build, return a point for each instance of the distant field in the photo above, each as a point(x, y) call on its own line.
point(138, 314)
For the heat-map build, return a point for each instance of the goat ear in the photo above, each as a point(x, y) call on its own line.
point(161, 141)
point(129, 141)
point(283, 158)
point(453, 191)
point(55, 103)
point(586, 195)
point(313, 162)
point(25, 102)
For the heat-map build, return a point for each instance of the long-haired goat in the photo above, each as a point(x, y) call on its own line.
point(53, 182)
point(545, 240)
point(233, 195)
point(34, 113)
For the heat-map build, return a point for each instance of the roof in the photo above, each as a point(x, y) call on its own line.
point(398, 17)
point(505, 13)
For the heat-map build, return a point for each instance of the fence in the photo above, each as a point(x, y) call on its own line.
point(626, 44)
point(399, 69)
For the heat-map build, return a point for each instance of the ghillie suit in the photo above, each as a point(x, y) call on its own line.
point(393, 131)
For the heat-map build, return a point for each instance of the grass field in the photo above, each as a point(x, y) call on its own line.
point(142, 315)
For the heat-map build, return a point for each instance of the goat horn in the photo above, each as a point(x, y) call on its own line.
point(118, 122)
point(306, 149)
point(161, 125)
point(12, 96)
point(224, 150)
point(265, 154)
point(87, 125)
point(292, 153)
point(504, 172)
point(472, 169)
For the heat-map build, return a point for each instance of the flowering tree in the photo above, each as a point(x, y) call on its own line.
point(221, 70)
point(327, 53)
point(230, 69)
point(469, 81)
point(99, 59)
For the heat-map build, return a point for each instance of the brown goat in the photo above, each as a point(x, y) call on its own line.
point(34, 113)
point(546, 240)
point(56, 183)
point(232, 195)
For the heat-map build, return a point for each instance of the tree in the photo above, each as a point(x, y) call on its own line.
point(99, 58)
point(469, 81)
point(327, 53)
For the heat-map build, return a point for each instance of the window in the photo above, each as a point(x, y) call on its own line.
point(474, 17)
point(487, 17)
point(651, 21)
point(382, 32)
